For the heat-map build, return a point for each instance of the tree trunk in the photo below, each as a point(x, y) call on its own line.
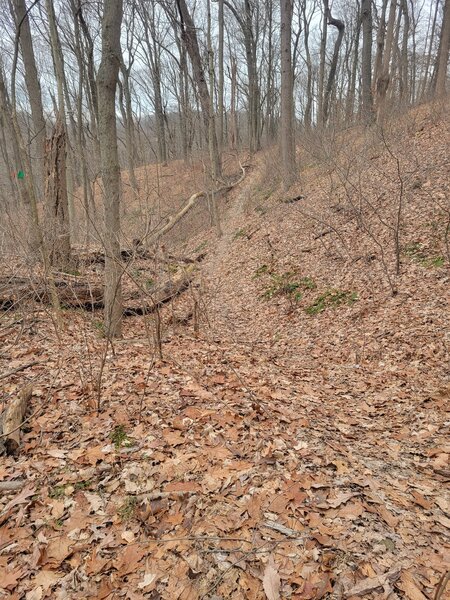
point(332, 74)
point(287, 97)
point(366, 61)
point(321, 80)
point(189, 37)
point(384, 77)
point(220, 90)
point(424, 87)
point(57, 220)
point(107, 83)
point(444, 46)
point(56, 163)
point(33, 88)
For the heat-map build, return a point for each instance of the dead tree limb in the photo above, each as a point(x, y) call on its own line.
point(19, 369)
point(174, 219)
point(12, 486)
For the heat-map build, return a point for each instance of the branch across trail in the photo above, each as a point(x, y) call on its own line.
point(174, 219)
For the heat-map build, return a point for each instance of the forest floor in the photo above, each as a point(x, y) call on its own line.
point(292, 441)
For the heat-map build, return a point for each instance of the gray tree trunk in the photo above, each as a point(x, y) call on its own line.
point(107, 83)
point(366, 61)
point(33, 88)
point(287, 128)
point(444, 47)
point(189, 37)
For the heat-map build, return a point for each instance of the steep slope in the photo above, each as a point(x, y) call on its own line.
point(292, 441)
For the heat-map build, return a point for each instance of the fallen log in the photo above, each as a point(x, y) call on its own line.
point(71, 292)
point(174, 219)
point(12, 421)
point(159, 297)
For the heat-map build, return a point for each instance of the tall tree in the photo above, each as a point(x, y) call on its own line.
point(107, 80)
point(444, 47)
point(189, 36)
point(334, 61)
point(287, 128)
point(366, 62)
point(33, 86)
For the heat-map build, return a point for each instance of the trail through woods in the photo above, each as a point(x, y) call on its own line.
point(278, 453)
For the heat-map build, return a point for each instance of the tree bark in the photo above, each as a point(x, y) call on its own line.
point(189, 37)
point(366, 61)
point(332, 74)
point(444, 47)
point(33, 87)
point(287, 140)
point(107, 83)
point(57, 219)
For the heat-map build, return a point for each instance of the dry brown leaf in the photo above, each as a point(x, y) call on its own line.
point(271, 580)
point(9, 579)
point(409, 586)
point(372, 584)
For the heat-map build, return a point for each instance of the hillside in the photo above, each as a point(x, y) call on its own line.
point(292, 439)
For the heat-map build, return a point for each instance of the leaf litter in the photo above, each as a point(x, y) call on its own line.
point(274, 455)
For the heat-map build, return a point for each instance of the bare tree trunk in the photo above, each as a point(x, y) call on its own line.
point(404, 78)
point(332, 74)
point(155, 69)
point(353, 74)
point(33, 87)
point(233, 116)
point(189, 36)
point(287, 97)
point(424, 87)
point(384, 77)
point(57, 219)
point(444, 47)
point(127, 118)
point(309, 85)
point(321, 80)
point(107, 83)
point(270, 117)
point(56, 162)
point(366, 62)
point(220, 90)
point(211, 131)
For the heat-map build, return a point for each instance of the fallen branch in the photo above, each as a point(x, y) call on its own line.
point(323, 234)
point(19, 369)
point(442, 585)
point(12, 486)
point(292, 533)
point(174, 219)
point(161, 296)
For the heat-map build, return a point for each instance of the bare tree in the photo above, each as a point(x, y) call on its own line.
point(340, 26)
point(366, 62)
point(287, 140)
point(107, 83)
point(20, 12)
point(444, 47)
point(189, 37)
